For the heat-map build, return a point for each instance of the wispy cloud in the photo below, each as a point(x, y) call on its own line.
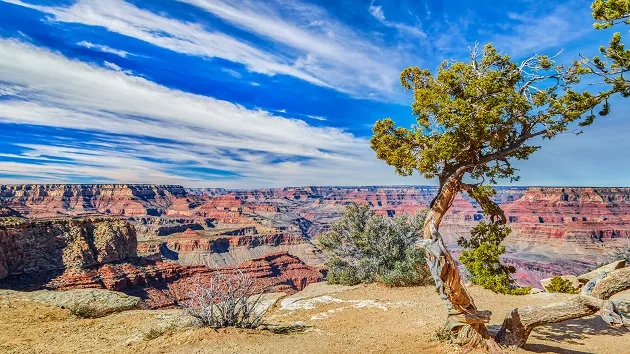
point(232, 73)
point(320, 118)
point(148, 132)
point(103, 48)
point(532, 32)
point(312, 46)
point(377, 12)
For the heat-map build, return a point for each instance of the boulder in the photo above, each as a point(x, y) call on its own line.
point(585, 278)
point(572, 278)
point(81, 302)
point(535, 291)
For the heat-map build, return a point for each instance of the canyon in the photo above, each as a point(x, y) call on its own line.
point(181, 232)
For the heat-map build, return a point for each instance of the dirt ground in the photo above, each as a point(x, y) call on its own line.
point(367, 319)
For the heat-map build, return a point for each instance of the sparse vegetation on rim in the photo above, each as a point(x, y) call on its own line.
point(226, 300)
point(364, 247)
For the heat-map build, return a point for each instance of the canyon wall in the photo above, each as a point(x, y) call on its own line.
point(66, 254)
point(41, 246)
point(553, 228)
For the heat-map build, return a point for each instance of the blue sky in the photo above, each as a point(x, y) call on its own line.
point(245, 94)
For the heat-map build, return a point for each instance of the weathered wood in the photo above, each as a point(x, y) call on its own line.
point(519, 322)
point(466, 323)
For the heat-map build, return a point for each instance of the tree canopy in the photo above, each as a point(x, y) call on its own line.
point(614, 63)
point(473, 119)
point(476, 117)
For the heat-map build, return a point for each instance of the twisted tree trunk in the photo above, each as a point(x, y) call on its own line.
point(465, 322)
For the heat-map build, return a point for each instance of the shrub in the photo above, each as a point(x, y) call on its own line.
point(365, 247)
point(481, 258)
point(226, 300)
point(560, 285)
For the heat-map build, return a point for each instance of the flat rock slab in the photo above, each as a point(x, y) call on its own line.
point(82, 302)
point(268, 301)
point(585, 278)
point(315, 290)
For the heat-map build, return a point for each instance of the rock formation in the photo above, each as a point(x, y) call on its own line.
point(101, 253)
point(41, 246)
point(553, 228)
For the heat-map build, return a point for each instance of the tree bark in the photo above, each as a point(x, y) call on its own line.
point(594, 297)
point(465, 321)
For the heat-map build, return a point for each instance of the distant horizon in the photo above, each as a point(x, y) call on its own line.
point(304, 186)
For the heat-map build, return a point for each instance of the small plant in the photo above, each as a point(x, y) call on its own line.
point(286, 329)
point(226, 300)
point(560, 285)
point(364, 247)
point(154, 333)
point(481, 258)
point(442, 334)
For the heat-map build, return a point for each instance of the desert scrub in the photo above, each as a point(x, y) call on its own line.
point(226, 300)
point(364, 247)
point(481, 259)
point(560, 285)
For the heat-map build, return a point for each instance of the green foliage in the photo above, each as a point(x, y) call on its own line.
point(478, 115)
point(481, 258)
point(560, 285)
point(615, 59)
point(365, 247)
point(442, 334)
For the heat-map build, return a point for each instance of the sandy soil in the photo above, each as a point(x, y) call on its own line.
point(367, 319)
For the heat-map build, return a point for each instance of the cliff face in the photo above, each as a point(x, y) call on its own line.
point(27, 247)
point(116, 199)
point(102, 253)
point(553, 228)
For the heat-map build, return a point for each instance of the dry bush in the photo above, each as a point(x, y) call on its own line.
point(226, 300)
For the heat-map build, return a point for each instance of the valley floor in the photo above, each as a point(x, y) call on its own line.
point(364, 319)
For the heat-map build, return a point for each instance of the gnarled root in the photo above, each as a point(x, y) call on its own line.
point(594, 298)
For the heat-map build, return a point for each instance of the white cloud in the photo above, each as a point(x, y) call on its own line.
point(377, 13)
point(150, 133)
point(232, 73)
point(103, 48)
point(321, 118)
point(311, 45)
point(530, 33)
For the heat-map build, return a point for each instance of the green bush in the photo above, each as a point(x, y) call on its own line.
point(560, 285)
point(364, 247)
point(481, 259)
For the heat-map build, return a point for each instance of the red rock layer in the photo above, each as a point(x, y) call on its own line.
point(222, 243)
point(163, 284)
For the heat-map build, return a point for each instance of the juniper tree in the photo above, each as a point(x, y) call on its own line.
point(614, 64)
point(473, 120)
